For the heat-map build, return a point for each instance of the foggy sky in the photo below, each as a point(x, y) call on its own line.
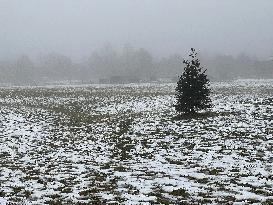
point(77, 27)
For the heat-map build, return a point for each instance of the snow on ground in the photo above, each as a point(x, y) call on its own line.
point(125, 144)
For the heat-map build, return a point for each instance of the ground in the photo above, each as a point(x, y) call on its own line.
point(125, 144)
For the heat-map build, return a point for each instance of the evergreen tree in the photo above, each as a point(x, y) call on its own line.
point(192, 91)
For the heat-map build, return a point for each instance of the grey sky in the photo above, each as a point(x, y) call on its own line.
point(77, 27)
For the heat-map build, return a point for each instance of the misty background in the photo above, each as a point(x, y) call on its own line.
point(133, 41)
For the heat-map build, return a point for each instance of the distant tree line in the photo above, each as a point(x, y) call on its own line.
point(138, 64)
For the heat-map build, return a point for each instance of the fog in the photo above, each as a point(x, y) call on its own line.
point(163, 28)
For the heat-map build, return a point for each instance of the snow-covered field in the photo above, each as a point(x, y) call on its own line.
point(125, 145)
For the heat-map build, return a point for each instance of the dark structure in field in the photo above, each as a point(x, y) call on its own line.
point(118, 79)
point(123, 79)
point(192, 91)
